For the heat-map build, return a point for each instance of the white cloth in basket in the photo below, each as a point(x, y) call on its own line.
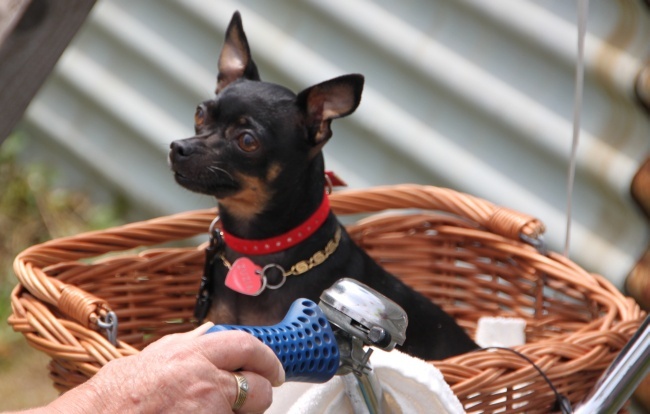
point(413, 385)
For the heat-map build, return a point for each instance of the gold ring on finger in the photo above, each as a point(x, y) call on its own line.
point(242, 391)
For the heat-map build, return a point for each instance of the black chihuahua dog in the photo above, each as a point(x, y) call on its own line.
point(257, 149)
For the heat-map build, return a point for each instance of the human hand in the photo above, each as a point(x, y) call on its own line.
point(188, 372)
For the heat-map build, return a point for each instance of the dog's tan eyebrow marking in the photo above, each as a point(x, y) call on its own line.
point(246, 122)
point(273, 172)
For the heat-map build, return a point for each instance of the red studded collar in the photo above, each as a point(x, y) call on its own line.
point(283, 241)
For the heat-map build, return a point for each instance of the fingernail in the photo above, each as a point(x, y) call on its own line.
point(204, 328)
point(281, 375)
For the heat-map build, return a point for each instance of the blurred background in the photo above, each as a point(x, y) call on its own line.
point(473, 95)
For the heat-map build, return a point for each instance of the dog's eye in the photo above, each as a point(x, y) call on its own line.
point(199, 116)
point(247, 142)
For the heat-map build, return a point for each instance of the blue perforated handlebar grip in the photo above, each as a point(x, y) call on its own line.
point(303, 341)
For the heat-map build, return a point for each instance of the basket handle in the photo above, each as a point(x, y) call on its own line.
point(499, 220)
point(31, 266)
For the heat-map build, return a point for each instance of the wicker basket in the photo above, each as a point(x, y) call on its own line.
point(463, 252)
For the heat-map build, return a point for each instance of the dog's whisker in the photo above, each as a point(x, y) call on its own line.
point(215, 169)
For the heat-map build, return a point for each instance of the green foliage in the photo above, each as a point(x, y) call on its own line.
point(33, 210)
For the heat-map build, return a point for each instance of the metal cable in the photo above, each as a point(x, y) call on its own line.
point(583, 8)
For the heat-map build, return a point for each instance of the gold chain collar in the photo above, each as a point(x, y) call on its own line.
point(302, 266)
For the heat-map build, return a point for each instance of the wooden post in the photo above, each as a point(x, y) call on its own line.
point(33, 35)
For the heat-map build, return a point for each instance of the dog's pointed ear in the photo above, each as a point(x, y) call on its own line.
point(329, 100)
point(235, 60)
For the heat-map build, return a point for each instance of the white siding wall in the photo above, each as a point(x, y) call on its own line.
point(471, 94)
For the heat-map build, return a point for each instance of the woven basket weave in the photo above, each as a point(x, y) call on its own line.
point(461, 251)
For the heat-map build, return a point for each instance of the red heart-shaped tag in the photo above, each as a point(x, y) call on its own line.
point(245, 277)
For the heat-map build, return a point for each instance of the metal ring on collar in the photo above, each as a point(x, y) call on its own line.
point(242, 391)
point(282, 272)
point(214, 224)
point(261, 289)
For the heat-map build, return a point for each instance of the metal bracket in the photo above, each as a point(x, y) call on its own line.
point(110, 325)
point(537, 242)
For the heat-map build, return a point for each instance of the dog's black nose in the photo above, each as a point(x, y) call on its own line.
point(181, 148)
